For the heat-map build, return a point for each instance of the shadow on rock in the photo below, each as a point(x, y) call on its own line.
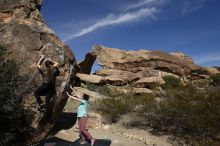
point(65, 121)
point(99, 142)
point(54, 141)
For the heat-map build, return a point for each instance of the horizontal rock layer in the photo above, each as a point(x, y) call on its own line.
point(142, 68)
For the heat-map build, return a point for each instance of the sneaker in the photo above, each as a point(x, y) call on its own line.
point(82, 142)
point(42, 109)
point(93, 142)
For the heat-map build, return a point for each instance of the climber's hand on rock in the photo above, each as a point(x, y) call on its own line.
point(42, 56)
point(72, 89)
point(68, 94)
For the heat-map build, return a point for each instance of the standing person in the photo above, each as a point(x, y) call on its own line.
point(82, 117)
point(48, 87)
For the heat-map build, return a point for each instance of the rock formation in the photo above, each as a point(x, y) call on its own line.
point(26, 36)
point(86, 65)
point(132, 61)
point(142, 68)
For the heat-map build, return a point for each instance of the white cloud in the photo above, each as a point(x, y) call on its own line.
point(114, 20)
point(208, 58)
point(192, 6)
point(144, 3)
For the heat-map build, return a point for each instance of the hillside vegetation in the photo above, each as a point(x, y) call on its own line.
point(191, 115)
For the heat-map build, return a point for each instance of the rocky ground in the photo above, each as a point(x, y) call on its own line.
point(108, 135)
point(66, 132)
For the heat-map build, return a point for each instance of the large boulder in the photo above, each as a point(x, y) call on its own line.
point(121, 67)
point(150, 82)
point(142, 91)
point(129, 90)
point(112, 58)
point(127, 67)
point(92, 94)
point(86, 64)
point(94, 79)
point(130, 76)
point(212, 70)
point(26, 36)
point(117, 80)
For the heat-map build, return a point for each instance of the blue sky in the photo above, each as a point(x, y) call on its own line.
point(188, 26)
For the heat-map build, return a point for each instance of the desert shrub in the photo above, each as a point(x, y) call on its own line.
point(185, 112)
point(14, 119)
point(118, 104)
point(189, 114)
point(200, 71)
point(216, 79)
point(112, 108)
point(171, 82)
point(201, 83)
point(102, 89)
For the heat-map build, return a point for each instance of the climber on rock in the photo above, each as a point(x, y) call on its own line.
point(49, 72)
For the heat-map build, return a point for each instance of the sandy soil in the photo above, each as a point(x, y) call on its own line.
point(66, 134)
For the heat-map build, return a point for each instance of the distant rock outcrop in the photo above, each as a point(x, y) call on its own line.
point(86, 65)
point(177, 63)
point(150, 82)
point(143, 68)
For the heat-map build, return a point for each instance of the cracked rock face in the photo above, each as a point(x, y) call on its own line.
point(176, 63)
point(141, 68)
point(127, 67)
point(25, 35)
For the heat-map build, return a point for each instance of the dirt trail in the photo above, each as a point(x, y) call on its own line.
point(107, 135)
point(66, 133)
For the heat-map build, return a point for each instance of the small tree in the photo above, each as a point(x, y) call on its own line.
point(216, 79)
point(172, 82)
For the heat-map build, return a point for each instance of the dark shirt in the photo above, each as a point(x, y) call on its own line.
point(49, 75)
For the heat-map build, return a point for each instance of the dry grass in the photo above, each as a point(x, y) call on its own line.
point(184, 112)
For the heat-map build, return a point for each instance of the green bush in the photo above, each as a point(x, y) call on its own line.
point(14, 120)
point(102, 89)
point(185, 112)
point(200, 71)
point(189, 114)
point(202, 83)
point(172, 82)
point(216, 79)
point(118, 104)
point(112, 109)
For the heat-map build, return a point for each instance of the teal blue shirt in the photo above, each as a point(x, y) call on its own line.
point(82, 108)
